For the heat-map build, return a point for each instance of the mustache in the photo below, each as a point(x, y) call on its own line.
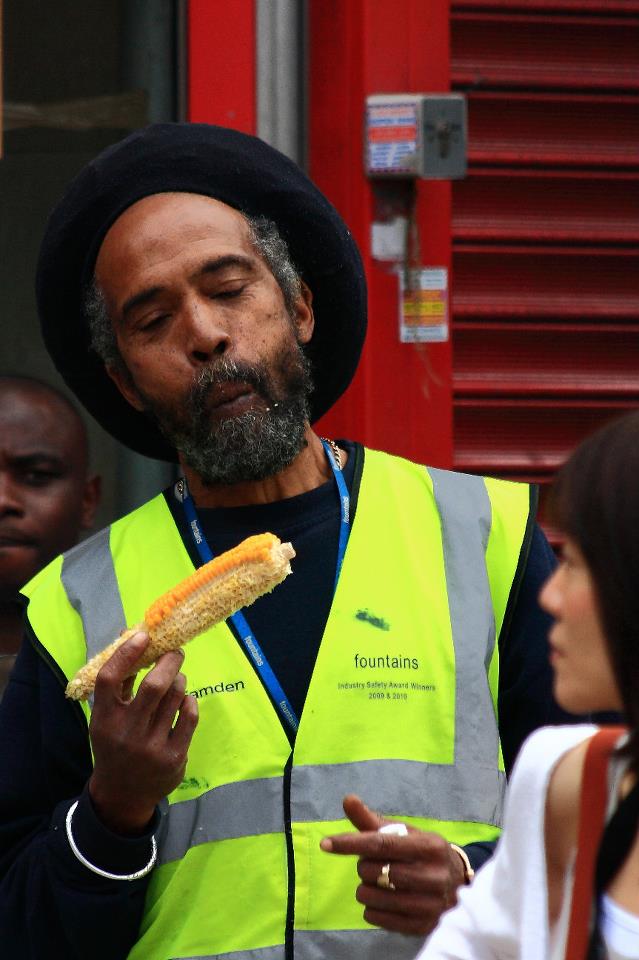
point(228, 371)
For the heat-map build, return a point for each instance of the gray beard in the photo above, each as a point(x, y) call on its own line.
point(253, 446)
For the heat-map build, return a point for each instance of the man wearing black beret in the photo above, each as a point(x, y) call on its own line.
point(207, 304)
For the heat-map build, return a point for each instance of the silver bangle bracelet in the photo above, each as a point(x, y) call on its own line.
point(104, 873)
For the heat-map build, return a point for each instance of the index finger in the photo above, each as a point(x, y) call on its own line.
point(372, 845)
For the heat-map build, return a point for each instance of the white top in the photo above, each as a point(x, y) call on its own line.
point(619, 930)
point(559, 932)
point(504, 914)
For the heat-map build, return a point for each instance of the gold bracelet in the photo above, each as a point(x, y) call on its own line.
point(469, 873)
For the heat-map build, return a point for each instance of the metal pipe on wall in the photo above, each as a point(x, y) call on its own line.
point(281, 75)
point(147, 63)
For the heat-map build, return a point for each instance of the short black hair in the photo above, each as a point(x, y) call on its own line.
point(8, 378)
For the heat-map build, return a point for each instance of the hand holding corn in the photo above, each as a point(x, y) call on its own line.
point(211, 594)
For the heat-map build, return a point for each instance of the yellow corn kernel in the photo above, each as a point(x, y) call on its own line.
point(211, 594)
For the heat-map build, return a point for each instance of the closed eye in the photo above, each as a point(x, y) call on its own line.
point(229, 293)
point(151, 323)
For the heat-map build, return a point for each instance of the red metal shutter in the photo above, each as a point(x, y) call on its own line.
point(545, 229)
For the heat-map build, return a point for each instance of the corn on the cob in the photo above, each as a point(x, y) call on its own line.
point(211, 594)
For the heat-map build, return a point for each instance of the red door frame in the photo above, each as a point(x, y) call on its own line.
point(221, 63)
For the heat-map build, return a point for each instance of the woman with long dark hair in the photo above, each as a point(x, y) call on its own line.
point(528, 901)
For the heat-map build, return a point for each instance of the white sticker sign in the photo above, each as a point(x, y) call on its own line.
point(391, 130)
point(423, 305)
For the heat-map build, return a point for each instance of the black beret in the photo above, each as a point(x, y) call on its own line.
point(241, 171)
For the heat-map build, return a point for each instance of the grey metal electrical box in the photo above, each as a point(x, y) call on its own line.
point(416, 135)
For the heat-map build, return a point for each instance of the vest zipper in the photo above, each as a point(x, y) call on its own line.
point(289, 943)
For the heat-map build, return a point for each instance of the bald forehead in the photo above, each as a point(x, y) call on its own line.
point(35, 415)
point(194, 213)
point(176, 202)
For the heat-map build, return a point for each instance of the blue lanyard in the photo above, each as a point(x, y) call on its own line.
point(238, 619)
point(345, 509)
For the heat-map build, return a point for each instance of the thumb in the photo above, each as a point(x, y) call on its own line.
point(361, 816)
point(121, 665)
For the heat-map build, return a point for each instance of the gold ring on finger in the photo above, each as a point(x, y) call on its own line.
point(384, 881)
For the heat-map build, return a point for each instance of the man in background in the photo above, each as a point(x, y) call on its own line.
point(47, 497)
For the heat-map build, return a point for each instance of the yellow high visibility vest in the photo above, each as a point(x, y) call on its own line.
point(401, 709)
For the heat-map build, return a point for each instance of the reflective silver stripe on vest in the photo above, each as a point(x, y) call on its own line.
point(261, 953)
point(88, 576)
point(462, 792)
point(464, 508)
point(369, 944)
point(243, 809)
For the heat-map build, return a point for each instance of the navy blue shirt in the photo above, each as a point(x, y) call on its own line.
point(52, 906)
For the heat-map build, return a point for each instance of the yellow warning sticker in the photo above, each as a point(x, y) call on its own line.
point(423, 305)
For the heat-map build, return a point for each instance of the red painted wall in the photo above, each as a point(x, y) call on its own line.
point(401, 398)
point(221, 63)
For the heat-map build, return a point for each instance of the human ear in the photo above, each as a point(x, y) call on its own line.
point(122, 379)
point(90, 500)
point(303, 317)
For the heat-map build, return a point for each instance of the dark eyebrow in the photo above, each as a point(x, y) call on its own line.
point(138, 299)
point(222, 263)
point(207, 268)
point(38, 459)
